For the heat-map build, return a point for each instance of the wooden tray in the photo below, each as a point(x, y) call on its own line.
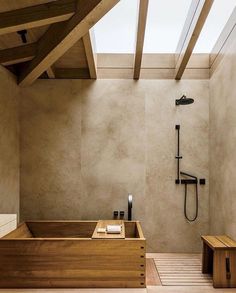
point(103, 224)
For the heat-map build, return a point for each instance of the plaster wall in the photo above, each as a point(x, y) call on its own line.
point(222, 145)
point(85, 144)
point(9, 144)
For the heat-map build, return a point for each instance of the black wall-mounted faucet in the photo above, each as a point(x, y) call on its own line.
point(130, 205)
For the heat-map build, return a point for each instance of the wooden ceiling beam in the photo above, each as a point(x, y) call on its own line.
point(34, 16)
point(90, 55)
point(196, 18)
point(61, 36)
point(142, 19)
point(17, 54)
point(51, 72)
point(72, 73)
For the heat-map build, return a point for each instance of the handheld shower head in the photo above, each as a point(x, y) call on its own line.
point(184, 101)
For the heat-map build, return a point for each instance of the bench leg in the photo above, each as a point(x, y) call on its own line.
point(232, 256)
point(207, 259)
point(222, 274)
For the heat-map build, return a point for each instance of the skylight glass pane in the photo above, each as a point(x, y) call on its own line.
point(116, 31)
point(165, 22)
point(216, 20)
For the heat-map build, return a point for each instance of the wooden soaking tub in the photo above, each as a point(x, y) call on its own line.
point(63, 254)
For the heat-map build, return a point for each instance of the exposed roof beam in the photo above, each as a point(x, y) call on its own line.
point(143, 9)
point(196, 18)
point(90, 55)
point(61, 36)
point(17, 54)
point(51, 72)
point(34, 16)
point(72, 73)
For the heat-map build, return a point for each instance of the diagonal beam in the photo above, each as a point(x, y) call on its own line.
point(196, 18)
point(61, 36)
point(51, 72)
point(142, 19)
point(17, 54)
point(34, 16)
point(90, 55)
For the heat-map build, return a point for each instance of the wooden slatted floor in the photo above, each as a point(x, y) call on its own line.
point(181, 270)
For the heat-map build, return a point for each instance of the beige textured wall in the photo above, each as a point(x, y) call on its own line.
point(223, 146)
point(86, 144)
point(9, 143)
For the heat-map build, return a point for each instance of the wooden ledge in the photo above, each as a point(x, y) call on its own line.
point(219, 242)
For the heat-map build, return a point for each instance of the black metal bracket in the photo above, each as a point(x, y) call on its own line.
point(23, 34)
point(188, 181)
point(202, 181)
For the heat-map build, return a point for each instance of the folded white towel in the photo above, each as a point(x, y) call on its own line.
point(114, 229)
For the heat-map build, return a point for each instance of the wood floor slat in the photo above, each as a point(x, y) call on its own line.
point(181, 270)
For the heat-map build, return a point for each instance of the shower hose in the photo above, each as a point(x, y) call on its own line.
point(185, 203)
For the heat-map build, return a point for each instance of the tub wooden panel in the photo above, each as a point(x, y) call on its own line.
point(72, 262)
point(62, 229)
point(21, 232)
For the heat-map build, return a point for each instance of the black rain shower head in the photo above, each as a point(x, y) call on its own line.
point(184, 101)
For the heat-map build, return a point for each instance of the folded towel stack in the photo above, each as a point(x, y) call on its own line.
point(113, 229)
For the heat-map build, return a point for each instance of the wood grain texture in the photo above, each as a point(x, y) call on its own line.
point(213, 242)
point(181, 270)
point(62, 229)
point(60, 37)
point(21, 232)
point(152, 277)
point(39, 15)
point(219, 252)
point(75, 57)
point(17, 54)
point(143, 9)
point(50, 72)
point(90, 55)
point(69, 262)
point(198, 13)
point(227, 241)
point(72, 73)
point(103, 224)
point(130, 229)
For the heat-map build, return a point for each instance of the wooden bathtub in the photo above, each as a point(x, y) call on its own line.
point(62, 254)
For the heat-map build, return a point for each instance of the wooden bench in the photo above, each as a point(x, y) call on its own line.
point(219, 258)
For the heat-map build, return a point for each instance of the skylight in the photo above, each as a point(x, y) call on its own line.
point(116, 31)
point(165, 22)
point(216, 20)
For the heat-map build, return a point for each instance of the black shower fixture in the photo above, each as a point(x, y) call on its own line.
point(186, 181)
point(184, 101)
point(23, 34)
